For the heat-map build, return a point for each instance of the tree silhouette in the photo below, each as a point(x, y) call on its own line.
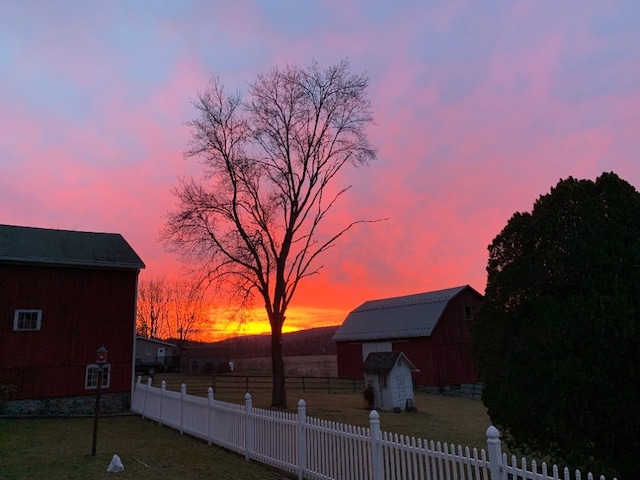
point(269, 163)
point(170, 308)
point(556, 338)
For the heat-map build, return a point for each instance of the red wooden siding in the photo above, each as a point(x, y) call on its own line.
point(350, 361)
point(443, 358)
point(82, 309)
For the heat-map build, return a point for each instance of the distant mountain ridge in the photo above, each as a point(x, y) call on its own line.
point(315, 341)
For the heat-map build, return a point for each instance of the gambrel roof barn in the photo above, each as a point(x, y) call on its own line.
point(431, 328)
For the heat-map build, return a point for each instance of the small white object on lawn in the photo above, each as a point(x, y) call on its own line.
point(116, 465)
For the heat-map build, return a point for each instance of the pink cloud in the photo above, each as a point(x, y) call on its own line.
point(478, 113)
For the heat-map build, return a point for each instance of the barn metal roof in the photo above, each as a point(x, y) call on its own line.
point(397, 317)
point(65, 247)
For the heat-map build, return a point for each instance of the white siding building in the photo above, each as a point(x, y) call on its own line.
point(389, 374)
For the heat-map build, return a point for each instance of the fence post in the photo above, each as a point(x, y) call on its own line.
point(209, 408)
point(144, 402)
point(494, 447)
point(163, 388)
point(376, 446)
point(248, 427)
point(302, 438)
point(183, 394)
point(135, 392)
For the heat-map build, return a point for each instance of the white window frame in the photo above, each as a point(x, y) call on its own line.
point(91, 376)
point(16, 320)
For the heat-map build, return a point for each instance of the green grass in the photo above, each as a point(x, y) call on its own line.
point(460, 421)
point(61, 449)
point(456, 420)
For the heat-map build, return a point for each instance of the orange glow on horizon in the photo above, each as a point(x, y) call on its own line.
point(223, 324)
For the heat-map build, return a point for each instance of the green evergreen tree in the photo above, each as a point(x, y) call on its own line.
point(557, 338)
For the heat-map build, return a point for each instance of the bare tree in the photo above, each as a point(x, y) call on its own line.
point(170, 308)
point(153, 307)
point(253, 223)
point(186, 315)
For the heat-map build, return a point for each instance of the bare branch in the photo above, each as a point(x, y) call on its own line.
point(268, 162)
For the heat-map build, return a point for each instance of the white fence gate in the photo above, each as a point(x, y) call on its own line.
point(318, 449)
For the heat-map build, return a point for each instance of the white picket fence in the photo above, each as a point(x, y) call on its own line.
point(319, 449)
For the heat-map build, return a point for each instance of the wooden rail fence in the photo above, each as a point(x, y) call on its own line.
point(260, 383)
point(246, 383)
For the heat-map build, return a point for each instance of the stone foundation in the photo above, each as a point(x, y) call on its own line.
point(110, 403)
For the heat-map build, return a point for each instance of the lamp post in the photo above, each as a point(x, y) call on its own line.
point(101, 360)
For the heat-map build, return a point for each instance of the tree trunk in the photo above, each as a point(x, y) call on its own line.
point(278, 393)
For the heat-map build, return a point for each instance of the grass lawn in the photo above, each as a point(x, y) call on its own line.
point(460, 421)
point(456, 420)
point(60, 448)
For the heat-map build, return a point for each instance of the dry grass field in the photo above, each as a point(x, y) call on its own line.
point(294, 366)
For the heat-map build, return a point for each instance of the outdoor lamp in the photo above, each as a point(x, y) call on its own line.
point(101, 358)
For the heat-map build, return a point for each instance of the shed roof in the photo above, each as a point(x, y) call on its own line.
point(383, 362)
point(397, 317)
point(65, 247)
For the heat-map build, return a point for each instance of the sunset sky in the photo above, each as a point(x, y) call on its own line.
point(480, 108)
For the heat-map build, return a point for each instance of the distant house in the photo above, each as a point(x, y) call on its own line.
point(64, 294)
point(204, 359)
point(432, 329)
point(389, 376)
point(151, 351)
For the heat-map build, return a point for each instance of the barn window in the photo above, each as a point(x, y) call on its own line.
point(468, 314)
point(91, 377)
point(27, 320)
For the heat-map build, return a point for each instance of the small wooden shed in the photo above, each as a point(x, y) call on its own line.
point(389, 375)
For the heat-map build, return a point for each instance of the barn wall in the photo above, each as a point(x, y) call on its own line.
point(350, 361)
point(452, 343)
point(419, 350)
point(82, 309)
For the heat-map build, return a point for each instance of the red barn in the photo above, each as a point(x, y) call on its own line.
point(64, 294)
point(429, 328)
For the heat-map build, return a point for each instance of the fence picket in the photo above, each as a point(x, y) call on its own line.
point(319, 449)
